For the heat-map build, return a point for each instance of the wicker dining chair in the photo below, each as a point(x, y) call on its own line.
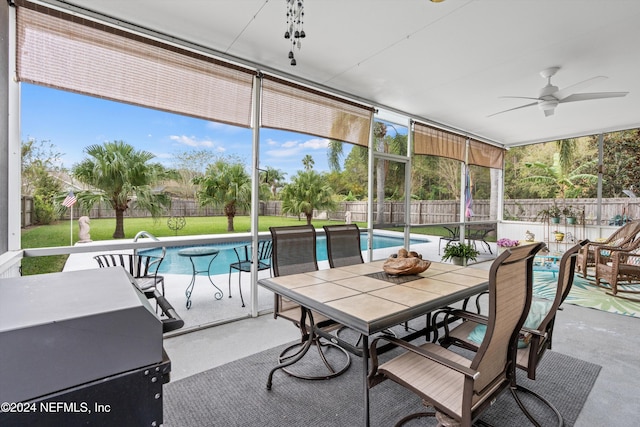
point(460, 389)
point(536, 335)
point(294, 252)
point(619, 239)
point(244, 262)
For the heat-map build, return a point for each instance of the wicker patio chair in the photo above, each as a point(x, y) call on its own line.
point(143, 268)
point(621, 238)
point(536, 335)
point(294, 252)
point(460, 389)
point(343, 245)
point(622, 265)
point(244, 262)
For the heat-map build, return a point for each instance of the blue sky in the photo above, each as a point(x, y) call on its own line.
point(72, 122)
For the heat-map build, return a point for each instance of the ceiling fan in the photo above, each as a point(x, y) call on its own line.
point(550, 96)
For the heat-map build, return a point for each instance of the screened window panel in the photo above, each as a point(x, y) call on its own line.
point(295, 108)
point(431, 141)
point(482, 154)
point(75, 54)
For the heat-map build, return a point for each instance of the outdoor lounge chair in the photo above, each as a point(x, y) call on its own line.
point(535, 336)
point(460, 389)
point(622, 265)
point(620, 239)
point(143, 268)
point(244, 262)
point(294, 252)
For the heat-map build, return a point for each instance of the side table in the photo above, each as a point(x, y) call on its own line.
point(196, 252)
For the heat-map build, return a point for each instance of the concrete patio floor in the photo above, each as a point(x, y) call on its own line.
point(607, 339)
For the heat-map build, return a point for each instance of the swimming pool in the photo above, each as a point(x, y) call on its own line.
point(175, 264)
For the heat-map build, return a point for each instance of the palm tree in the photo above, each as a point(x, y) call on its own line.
point(119, 174)
point(228, 185)
point(306, 192)
point(308, 162)
point(335, 151)
point(274, 178)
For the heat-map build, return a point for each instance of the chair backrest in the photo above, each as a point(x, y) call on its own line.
point(510, 290)
point(137, 265)
point(624, 235)
point(264, 251)
point(529, 357)
point(294, 249)
point(566, 274)
point(343, 245)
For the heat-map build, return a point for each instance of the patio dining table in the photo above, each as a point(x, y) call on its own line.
point(364, 298)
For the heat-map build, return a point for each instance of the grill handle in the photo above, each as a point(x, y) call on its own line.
point(173, 321)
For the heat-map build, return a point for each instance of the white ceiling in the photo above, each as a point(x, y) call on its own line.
point(443, 62)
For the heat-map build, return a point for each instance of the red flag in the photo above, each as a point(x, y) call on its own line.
point(70, 200)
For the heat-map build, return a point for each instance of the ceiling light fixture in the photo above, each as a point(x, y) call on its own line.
point(295, 26)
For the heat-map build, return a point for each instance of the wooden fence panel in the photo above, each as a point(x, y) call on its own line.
point(422, 211)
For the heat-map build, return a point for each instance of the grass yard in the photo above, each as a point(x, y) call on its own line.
point(58, 234)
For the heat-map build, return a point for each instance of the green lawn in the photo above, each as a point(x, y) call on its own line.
point(58, 234)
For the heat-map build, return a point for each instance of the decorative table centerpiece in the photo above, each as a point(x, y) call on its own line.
point(404, 263)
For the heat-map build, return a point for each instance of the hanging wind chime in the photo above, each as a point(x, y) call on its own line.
point(295, 26)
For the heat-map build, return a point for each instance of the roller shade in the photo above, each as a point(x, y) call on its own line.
point(482, 154)
point(431, 141)
point(78, 55)
point(293, 107)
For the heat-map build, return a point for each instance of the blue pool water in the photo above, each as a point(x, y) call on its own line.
point(175, 264)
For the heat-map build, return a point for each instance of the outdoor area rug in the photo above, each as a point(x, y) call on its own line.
point(235, 395)
point(585, 294)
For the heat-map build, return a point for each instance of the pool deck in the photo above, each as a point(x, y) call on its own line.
point(206, 311)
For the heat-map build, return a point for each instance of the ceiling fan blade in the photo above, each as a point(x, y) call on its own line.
point(519, 97)
point(516, 108)
point(596, 95)
point(567, 91)
point(549, 112)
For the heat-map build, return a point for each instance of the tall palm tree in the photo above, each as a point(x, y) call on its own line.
point(307, 191)
point(227, 185)
point(120, 174)
point(334, 152)
point(308, 162)
point(274, 178)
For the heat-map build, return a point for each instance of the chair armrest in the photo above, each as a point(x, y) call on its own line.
point(466, 371)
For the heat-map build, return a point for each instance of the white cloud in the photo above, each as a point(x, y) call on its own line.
point(316, 143)
point(192, 141)
point(296, 148)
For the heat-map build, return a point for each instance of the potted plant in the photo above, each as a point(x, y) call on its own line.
point(570, 213)
point(559, 235)
point(552, 213)
point(460, 253)
point(505, 243)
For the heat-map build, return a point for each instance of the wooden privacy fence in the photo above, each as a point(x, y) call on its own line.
point(422, 211)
